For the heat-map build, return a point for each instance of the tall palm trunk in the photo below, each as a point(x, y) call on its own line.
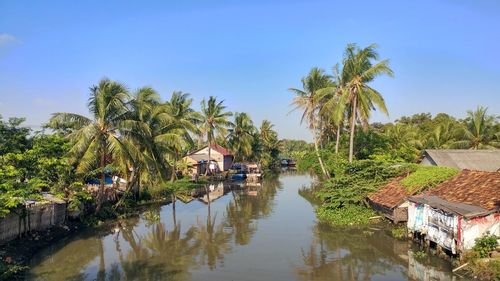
point(353, 126)
point(325, 173)
point(337, 141)
point(207, 166)
point(100, 192)
point(174, 171)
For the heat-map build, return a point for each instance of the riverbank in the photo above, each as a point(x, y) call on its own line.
point(342, 199)
point(242, 231)
point(15, 254)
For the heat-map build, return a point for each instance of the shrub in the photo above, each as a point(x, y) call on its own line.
point(426, 177)
point(485, 245)
point(399, 232)
point(348, 215)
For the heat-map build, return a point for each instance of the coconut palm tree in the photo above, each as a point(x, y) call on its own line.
point(332, 106)
point(479, 132)
point(137, 128)
point(359, 69)
point(308, 101)
point(441, 136)
point(241, 138)
point(214, 122)
point(179, 107)
point(96, 140)
point(269, 143)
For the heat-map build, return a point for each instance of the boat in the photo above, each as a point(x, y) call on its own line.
point(240, 176)
point(254, 172)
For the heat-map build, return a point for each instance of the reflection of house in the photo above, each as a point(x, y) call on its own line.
point(215, 192)
point(221, 157)
point(458, 211)
point(480, 160)
point(423, 272)
point(390, 200)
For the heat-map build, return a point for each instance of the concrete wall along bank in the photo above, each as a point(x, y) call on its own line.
point(34, 217)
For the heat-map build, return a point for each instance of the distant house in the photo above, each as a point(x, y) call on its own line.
point(390, 200)
point(221, 157)
point(456, 212)
point(480, 160)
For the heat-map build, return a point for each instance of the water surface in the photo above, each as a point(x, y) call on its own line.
point(266, 232)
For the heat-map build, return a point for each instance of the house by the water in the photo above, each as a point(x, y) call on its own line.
point(456, 212)
point(480, 160)
point(220, 159)
point(390, 201)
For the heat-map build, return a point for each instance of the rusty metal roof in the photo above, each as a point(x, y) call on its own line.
point(390, 195)
point(476, 188)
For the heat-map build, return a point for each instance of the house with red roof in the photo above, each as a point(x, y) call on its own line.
point(458, 211)
point(221, 159)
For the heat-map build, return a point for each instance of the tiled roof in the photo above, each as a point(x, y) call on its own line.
point(481, 160)
point(391, 195)
point(471, 187)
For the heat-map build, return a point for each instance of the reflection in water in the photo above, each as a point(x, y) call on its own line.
point(255, 232)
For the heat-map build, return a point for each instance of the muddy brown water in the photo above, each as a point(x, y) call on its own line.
point(266, 232)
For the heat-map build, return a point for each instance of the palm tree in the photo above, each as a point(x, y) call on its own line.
point(241, 138)
point(332, 106)
point(479, 132)
point(179, 107)
point(441, 136)
point(268, 138)
point(156, 132)
point(145, 106)
point(357, 72)
point(95, 141)
point(214, 121)
point(307, 100)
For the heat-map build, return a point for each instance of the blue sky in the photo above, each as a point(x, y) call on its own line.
point(445, 54)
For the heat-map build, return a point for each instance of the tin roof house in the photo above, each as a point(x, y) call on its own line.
point(480, 160)
point(453, 214)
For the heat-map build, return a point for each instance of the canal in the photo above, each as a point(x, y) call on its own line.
point(266, 232)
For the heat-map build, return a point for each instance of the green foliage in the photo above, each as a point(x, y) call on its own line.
point(42, 167)
point(347, 215)
point(480, 268)
point(13, 137)
point(399, 232)
point(353, 181)
point(290, 148)
point(425, 177)
point(343, 196)
point(420, 254)
point(485, 245)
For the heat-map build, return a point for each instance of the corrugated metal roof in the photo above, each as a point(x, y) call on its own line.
point(481, 160)
point(473, 188)
point(437, 202)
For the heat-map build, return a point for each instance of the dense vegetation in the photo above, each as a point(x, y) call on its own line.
point(134, 136)
point(354, 157)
